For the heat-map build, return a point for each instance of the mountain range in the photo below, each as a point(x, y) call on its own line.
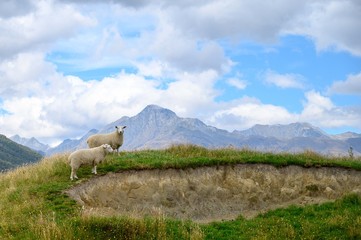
point(32, 143)
point(13, 154)
point(156, 128)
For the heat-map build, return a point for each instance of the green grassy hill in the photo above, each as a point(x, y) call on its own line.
point(33, 204)
point(13, 154)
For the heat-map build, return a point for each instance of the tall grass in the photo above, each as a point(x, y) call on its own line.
point(33, 205)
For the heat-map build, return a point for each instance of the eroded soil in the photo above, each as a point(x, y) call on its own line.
point(212, 193)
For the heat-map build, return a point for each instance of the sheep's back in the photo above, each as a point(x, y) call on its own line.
point(97, 140)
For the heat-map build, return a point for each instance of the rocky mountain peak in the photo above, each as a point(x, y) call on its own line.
point(32, 143)
point(157, 112)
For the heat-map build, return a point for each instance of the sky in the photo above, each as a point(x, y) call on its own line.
point(68, 66)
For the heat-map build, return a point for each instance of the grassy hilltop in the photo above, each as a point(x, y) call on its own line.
point(33, 205)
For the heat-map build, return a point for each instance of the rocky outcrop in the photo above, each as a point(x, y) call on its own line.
point(212, 193)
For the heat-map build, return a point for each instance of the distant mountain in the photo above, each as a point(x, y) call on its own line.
point(283, 132)
point(156, 128)
point(32, 143)
point(69, 145)
point(13, 154)
point(355, 143)
point(346, 136)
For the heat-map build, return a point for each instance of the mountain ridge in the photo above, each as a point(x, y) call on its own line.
point(285, 131)
point(32, 143)
point(156, 127)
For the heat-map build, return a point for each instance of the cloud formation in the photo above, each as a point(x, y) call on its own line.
point(177, 54)
point(350, 86)
point(47, 23)
point(287, 80)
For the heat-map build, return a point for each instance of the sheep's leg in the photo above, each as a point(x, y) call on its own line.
point(94, 170)
point(73, 174)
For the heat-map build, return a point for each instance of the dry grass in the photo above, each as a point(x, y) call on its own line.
point(32, 206)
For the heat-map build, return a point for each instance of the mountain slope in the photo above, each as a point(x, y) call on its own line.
point(32, 143)
point(13, 154)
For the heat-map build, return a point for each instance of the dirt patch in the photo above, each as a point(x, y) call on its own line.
point(212, 193)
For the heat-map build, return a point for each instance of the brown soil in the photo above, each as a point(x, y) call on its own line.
point(212, 193)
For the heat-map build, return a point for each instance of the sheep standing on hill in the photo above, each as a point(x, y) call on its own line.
point(114, 139)
point(91, 156)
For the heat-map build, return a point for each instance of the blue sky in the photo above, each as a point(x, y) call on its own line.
point(70, 66)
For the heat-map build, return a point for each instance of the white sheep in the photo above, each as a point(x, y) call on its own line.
point(114, 139)
point(92, 156)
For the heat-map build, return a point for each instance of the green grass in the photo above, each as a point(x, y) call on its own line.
point(338, 220)
point(33, 205)
point(190, 156)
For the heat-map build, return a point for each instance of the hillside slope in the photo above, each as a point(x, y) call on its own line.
point(33, 203)
point(13, 154)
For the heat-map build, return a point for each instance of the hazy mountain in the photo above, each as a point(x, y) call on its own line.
point(289, 131)
point(156, 127)
point(355, 143)
point(32, 143)
point(298, 137)
point(346, 135)
point(69, 145)
point(13, 154)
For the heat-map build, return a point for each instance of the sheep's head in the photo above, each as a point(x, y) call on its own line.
point(120, 129)
point(107, 148)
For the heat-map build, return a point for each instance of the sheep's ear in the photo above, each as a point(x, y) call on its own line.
point(116, 127)
point(124, 127)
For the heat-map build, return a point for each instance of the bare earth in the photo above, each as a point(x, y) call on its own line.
point(212, 193)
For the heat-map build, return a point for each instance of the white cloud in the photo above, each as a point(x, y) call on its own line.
point(176, 50)
point(266, 21)
point(67, 106)
point(187, 54)
point(250, 111)
point(49, 22)
point(317, 110)
point(25, 74)
point(26, 118)
point(288, 80)
point(257, 20)
point(321, 111)
point(15, 8)
point(351, 86)
point(174, 29)
point(190, 93)
point(331, 24)
point(237, 83)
